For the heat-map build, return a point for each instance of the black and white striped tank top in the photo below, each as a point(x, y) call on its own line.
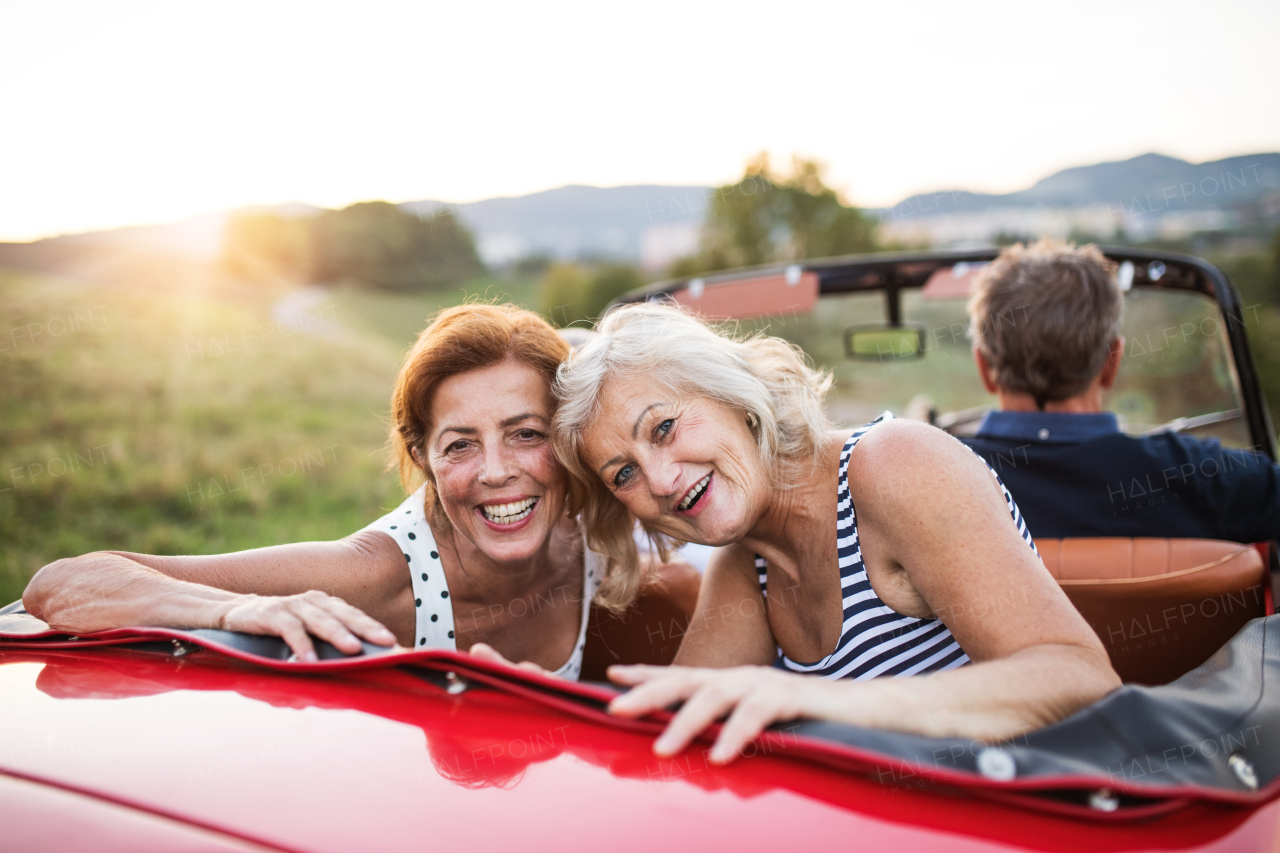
point(876, 640)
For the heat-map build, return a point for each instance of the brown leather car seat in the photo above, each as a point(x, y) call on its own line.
point(1161, 607)
point(650, 630)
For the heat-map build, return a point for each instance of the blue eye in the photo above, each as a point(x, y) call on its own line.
point(624, 474)
point(664, 427)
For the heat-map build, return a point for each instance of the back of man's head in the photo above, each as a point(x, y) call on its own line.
point(1044, 317)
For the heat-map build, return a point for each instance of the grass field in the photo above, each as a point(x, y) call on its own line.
point(156, 406)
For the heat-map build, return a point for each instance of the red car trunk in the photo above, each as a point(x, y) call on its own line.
point(386, 760)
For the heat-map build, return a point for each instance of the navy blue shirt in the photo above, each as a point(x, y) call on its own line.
point(1079, 475)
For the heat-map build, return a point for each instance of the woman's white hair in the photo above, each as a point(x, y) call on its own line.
point(768, 379)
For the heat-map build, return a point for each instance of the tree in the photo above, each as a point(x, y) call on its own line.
point(1275, 266)
point(378, 244)
point(815, 222)
point(564, 294)
point(767, 217)
point(371, 243)
point(1257, 277)
point(608, 283)
point(572, 293)
point(267, 246)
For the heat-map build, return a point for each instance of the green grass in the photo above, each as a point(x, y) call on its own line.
point(399, 318)
point(162, 409)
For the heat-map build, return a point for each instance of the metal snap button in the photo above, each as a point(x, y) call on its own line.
point(1104, 800)
point(997, 765)
point(1244, 771)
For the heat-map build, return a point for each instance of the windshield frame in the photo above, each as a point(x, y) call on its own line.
point(893, 273)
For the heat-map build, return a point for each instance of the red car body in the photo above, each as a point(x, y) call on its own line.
point(123, 750)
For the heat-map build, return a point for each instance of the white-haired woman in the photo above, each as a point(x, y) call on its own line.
point(889, 551)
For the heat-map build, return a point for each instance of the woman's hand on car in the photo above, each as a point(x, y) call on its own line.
point(484, 651)
point(753, 697)
point(294, 618)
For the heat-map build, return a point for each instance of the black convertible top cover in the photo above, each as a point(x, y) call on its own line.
point(1216, 728)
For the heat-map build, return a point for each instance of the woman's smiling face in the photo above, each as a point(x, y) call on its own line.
point(687, 466)
point(489, 453)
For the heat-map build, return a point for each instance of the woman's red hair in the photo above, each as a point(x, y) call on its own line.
point(467, 337)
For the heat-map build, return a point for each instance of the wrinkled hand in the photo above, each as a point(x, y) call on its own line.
point(752, 696)
point(484, 651)
point(293, 617)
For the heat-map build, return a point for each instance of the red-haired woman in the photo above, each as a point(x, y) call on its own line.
point(484, 552)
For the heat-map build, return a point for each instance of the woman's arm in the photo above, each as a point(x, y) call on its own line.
point(929, 509)
point(730, 626)
point(285, 590)
point(991, 701)
point(947, 532)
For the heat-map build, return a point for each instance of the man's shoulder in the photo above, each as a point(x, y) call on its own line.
point(1162, 443)
point(1120, 455)
point(1211, 452)
point(1181, 444)
point(1104, 457)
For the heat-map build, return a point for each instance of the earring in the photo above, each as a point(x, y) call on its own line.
point(752, 420)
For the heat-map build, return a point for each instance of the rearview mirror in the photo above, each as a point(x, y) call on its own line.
point(873, 342)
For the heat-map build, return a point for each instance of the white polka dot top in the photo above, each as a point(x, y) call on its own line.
point(407, 525)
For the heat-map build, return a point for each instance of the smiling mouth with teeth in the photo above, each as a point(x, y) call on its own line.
point(695, 494)
point(509, 513)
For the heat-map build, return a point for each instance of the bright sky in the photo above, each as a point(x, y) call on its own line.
point(124, 112)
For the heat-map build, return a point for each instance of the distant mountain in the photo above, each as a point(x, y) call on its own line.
point(197, 237)
point(648, 224)
point(578, 221)
point(1151, 182)
point(1150, 195)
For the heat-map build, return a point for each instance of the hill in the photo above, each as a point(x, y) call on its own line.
point(580, 222)
point(648, 224)
point(1149, 196)
point(1144, 198)
point(1150, 184)
point(197, 238)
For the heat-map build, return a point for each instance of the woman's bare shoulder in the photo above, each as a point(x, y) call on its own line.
point(378, 557)
point(901, 444)
point(903, 463)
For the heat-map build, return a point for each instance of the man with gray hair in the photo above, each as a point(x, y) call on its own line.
point(1045, 325)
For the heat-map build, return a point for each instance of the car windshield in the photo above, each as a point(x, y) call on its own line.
point(1177, 369)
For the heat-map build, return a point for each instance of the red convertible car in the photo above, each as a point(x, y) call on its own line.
point(156, 739)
